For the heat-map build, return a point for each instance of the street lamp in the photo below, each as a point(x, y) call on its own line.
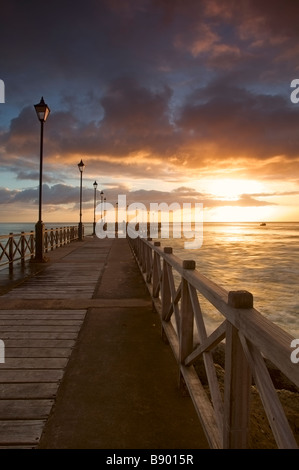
point(42, 111)
point(81, 167)
point(95, 185)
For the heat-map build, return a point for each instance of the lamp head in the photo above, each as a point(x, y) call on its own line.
point(81, 166)
point(42, 110)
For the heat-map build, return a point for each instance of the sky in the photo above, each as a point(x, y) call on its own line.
point(185, 101)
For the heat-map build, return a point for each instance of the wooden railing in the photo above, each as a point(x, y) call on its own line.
point(56, 237)
point(178, 291)
point(21, 246)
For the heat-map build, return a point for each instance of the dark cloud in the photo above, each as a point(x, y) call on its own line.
point(149, 88)
point(62, 196)
point(240, 123)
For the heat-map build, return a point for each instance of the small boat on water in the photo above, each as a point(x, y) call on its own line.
point(263, 224)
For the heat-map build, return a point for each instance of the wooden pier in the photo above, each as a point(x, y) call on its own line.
point(85, 366)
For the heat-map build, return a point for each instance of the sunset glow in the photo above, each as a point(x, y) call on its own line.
point(164, 102)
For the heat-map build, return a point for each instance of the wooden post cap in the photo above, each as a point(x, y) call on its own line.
point(157, 243)
point(168, 250)
point(240, 299)
point(189, 264)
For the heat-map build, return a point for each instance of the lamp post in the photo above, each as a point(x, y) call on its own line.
point(116, 220)
point(42, 111)
point(95, 185)
point(81, 167)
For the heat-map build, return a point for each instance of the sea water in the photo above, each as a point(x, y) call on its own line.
point(263, 260)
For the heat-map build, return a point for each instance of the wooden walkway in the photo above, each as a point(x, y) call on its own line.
point(39, 324)
point(85, 366)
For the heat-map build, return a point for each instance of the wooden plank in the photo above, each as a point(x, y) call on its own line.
point(39, 322)
point(80, 295)
point(186, 323)
point(25, 409)
point(40, 328)
point(172, 338)
point(39, 343)
point(208, 344)
point(28, 390)
point(203, 407)
point(208, 359)
point(31, 375)
point(19, 447)
point(33, 363)
point(41, 310)
point(40, 316)
point(15, 432)
point(175, 296)
point(39, 335)
point(36, 352)
point(40, 290)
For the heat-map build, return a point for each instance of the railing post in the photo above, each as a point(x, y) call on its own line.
point(10, 250)
point(46, 241)
point(51, 239)
point(148, 262)
point(186, 321)
point(22, 247)
point(156, 272)
point(32, 244)
point(165, 292)
point(237, 382)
